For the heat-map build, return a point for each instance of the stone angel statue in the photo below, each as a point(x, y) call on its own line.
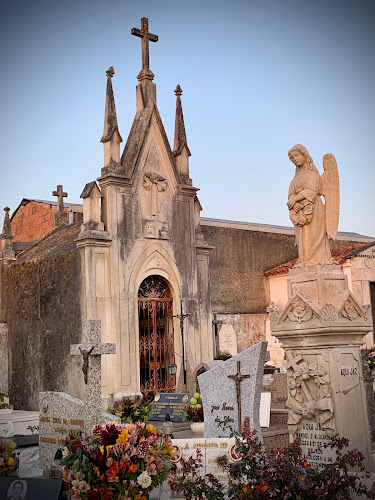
point(313, 221)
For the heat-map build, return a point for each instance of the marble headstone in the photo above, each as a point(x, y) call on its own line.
point(228, 339)
point(219, 392)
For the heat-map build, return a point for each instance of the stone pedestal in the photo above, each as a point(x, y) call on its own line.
point(321, 329)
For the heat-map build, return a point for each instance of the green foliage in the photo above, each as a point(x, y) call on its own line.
point(132, 409)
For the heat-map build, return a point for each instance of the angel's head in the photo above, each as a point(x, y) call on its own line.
point(299, 155)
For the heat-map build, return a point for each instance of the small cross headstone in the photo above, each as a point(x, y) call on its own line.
point(91, 350)
point(60, 216)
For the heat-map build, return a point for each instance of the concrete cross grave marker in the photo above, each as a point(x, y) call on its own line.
point(91, 350)
point(60, 216)
point(61, 414)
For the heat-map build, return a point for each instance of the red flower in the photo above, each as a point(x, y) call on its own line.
point(112, 473)
point(76, 444)
point(262, 487)
point(133, 468)
point(93, 495)
point(246, 488)
point(305, 464)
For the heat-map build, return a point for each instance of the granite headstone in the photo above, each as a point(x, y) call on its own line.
point(224, 396)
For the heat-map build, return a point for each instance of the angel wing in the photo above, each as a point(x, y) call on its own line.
point(331, 193)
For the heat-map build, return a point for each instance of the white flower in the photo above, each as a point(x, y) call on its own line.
point(65, 452)
point(144, 480)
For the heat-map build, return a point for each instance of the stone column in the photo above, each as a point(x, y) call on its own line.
point(321, 329)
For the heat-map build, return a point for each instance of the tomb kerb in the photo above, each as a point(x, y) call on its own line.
point(322, 325)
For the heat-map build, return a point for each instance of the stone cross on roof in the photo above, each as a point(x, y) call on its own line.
point(61, 216)
point(92, 349)
point(146, 36)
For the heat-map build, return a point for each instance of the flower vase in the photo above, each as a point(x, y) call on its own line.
point(197, 428)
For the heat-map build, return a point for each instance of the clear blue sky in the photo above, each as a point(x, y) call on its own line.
point(258, 76)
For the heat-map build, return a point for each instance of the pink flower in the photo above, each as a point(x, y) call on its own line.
point(151, 469)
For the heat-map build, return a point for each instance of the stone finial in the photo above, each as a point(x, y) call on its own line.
point(178, 91)
point(180, 140)
point(110, 72)
point(7, 251)
point(111, 138)
point(7, 228)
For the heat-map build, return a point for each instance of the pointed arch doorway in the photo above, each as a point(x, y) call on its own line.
point(156, 338)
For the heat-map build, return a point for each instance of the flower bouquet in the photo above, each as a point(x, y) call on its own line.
point(194, 412)
point(117, 462)
point(8, 459)
point(132, 409)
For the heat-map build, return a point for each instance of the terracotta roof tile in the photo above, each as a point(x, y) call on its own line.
point(338, 254)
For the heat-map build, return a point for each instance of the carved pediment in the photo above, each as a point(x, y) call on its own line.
point(299, 309)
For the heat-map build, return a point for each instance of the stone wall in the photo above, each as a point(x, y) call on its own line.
point(237, 263)
point(43, 318)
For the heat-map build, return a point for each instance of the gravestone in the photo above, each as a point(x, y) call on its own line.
point(228, 339)
point(231, 391)
point(62, 414)
point(265, 409)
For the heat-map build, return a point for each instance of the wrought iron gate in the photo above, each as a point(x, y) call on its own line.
point(156, 340)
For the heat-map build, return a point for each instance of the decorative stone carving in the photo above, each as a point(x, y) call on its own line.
point(349, 311)
point(299, 311)
point(150, 178)
point(310, 393)
point(164, 231)
point(149, 228)
point(367, 311)
point(313, 221)
point(274, 314)
point(329, 313)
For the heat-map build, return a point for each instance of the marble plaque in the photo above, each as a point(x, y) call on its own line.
point(219, 392)
point(149, 230)
point(228, 339)
point(265, 409)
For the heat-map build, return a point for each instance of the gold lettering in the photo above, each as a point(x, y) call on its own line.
point(56, 420)
point(61, 430)
point(74, 421)
point(45, 419)
point(47, 440)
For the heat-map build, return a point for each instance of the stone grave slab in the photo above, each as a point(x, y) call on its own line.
point(169, 402)
point(228, 339)
point(231, 391)
point(210, 448)
point(265, 409)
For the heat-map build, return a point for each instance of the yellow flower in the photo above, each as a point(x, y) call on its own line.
point(141, 439)
point(108, 448)
point(123, 437)
point(170, 449)
point(102, 449)
point(96, 470)
point(151, 428)
point(11, 461)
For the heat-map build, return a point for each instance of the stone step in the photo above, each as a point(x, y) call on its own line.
point(275, 436)
point(279, 416)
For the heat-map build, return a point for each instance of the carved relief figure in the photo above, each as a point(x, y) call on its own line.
point(312, 220)
point(309, 395)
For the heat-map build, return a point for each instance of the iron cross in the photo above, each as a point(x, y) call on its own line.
point(146, 36)
point(238, 379)
point(216, 322)
point(60, 195)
